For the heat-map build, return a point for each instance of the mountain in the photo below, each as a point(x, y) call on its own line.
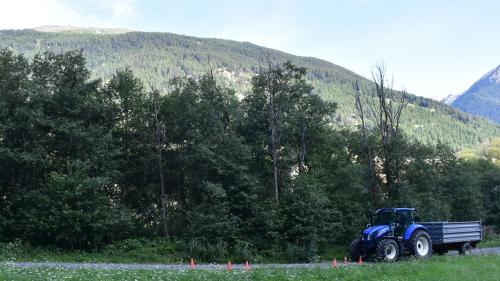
point(157, 57)
point(483, 97)
point(449, 99)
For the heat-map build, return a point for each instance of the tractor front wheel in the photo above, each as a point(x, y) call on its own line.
point(356, 251)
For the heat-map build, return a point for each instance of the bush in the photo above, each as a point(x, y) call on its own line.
point(244, 251)
point(304, 252)
point(145, 250)
point(202, 249)
point(73, 212)
point(489, 233)
point(14, 250)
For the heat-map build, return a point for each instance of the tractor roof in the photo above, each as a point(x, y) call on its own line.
point(395, 209)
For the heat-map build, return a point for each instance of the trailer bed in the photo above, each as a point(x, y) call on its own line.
point(453, 232)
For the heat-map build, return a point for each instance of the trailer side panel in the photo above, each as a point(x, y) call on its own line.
point(454, 232)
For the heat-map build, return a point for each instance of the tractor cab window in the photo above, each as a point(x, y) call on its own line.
point(404, 218)
point(386, 217)
point(401, 217)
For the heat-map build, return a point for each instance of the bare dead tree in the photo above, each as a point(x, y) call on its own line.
point(387, 105)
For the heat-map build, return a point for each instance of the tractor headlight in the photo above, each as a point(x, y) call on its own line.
point(369, 237)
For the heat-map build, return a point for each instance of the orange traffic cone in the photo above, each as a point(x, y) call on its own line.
point(247, 266)
point(360, 261)
point(229, 266)
point(191, 264)
point(334, 263)
point(345, 259)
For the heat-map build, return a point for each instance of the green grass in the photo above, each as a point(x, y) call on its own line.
point(436, 268)
point(490, 242)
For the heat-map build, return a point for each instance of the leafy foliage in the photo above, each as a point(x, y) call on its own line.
point(79, 165)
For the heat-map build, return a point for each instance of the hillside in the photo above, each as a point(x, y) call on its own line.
point(156, 57)
point(483, 97)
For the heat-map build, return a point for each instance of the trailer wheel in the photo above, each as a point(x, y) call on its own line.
point(387, 250)
point(465, 249)
point(421, 244)
point(356, 250)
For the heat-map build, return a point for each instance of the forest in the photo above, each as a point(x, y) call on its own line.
point(157, 57)
point(85, 162)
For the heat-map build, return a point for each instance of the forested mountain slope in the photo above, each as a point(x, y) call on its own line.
point(157, 57)
point(483, 97)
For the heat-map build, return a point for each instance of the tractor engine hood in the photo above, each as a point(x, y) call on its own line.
point(375, 231)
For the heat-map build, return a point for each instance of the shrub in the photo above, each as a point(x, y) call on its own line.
point(200, 248)
point(146, 250)
point(14, 250)
point(244, 251)
point(72, 212)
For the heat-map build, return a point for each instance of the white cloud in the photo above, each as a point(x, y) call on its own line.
point(18, 14)
point(118, 9)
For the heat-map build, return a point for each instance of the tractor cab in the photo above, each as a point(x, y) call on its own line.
point(392, 222)
point(397, 219)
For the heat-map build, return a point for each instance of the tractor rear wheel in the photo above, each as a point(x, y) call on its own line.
point(356, 251)
point(387, 250)
point(421, 244)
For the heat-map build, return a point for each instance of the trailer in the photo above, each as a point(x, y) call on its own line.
point(393, 232)
point(460, 236)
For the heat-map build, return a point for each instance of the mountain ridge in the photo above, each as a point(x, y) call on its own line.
point(483, 97)
point(155, 57)
point(449, 99)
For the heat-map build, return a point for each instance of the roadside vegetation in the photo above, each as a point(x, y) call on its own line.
point(437, 268)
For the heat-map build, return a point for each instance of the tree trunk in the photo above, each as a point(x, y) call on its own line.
point(163, 196)
point(274, 146)
point(159, 140)
point(372, 190)
point(302, 147)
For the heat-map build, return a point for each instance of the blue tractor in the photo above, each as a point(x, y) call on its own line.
point(391, 234)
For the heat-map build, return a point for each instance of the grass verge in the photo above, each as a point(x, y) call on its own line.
point(437, 269)
point(489, 243)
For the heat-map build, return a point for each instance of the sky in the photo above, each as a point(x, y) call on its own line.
point(431, 48)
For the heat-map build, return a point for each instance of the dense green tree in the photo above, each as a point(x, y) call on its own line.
point(214, 187)
point(84, 163)
point(54, 121)
point(72, 211)
point(279, 90)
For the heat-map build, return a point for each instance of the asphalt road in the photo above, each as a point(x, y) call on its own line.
point(135, 266)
